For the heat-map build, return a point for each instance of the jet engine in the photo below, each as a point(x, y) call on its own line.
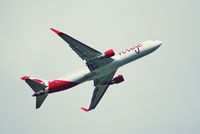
point(109, 53)
point(117, 80)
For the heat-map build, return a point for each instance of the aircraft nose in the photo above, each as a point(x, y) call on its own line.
point(158, 43)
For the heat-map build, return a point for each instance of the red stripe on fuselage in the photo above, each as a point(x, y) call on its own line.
point(59, 85)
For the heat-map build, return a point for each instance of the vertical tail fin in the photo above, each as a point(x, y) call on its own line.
point(38, 87)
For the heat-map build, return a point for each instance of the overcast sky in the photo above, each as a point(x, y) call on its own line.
point(160, 94)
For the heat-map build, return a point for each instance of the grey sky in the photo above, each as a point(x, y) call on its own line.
point(160, 94)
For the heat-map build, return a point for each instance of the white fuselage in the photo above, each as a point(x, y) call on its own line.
point(101, 67)
point(126, 56)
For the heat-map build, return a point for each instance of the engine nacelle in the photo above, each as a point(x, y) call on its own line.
point(109, 53)
point(117, 80)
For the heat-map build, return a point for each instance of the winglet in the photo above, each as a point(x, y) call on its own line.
point(56, 31)
point(25, 77)
point(85, 109)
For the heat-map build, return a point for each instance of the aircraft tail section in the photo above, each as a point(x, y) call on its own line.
point(40, 99)
point(39, 87)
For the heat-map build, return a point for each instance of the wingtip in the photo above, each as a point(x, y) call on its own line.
point(85, 109)
point(24, 77)
point(56, 31)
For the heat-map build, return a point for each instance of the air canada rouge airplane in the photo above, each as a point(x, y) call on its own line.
point(100, 67)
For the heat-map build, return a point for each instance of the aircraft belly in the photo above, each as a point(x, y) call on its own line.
point(104, 70)
point(77, 76)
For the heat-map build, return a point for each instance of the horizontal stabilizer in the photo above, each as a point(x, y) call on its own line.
point(39, 100)
point(36, 86)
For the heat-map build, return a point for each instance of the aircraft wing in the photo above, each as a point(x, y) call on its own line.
point(101, 85)
point(85, 52)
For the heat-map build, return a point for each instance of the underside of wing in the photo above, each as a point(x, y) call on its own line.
point(90, 55)
point(84, 51)
point(101, 85)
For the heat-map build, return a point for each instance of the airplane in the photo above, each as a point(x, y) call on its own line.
point(100, 68)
